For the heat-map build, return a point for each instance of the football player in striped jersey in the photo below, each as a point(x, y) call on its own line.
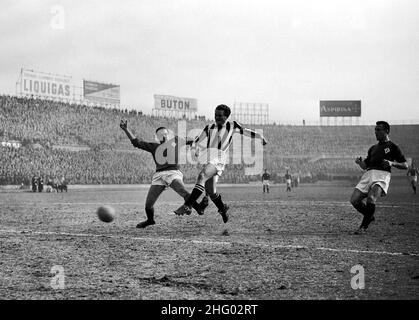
point(219, 136)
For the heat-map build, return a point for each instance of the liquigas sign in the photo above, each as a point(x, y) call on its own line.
point(41, 84)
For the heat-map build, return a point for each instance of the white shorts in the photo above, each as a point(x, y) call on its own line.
point(373, 177)
point(413, 179)
point(218, 165)
point(288, 182)
point(165, 178)
point(266, 183)
point(215, 157)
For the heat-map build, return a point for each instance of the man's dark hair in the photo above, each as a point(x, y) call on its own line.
point(385, 125)
point(160, 128)
point(225, 109)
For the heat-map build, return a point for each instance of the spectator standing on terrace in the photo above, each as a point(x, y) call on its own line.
point(376, 180)
point(63, 184)
point(49, 184)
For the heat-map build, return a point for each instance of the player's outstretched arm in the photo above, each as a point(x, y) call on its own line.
point(124, 126)
point(252, 134)
point(138, 143)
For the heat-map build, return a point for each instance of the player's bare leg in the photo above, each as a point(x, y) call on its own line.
point(178, 186)
point(206, 173)
point(211, 188)
point(153, 194)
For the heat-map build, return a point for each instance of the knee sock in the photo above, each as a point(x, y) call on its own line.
point(370, 208)
point(216, 198)
point(361, 207)
point(150, 214)
point(196, 193)
point(195, 204)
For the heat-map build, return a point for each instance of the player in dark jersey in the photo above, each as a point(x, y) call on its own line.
point(265, 181)
point(219, 137)
point(413, 173)
point(165, 155)
point(375, 181)
point(288, 181)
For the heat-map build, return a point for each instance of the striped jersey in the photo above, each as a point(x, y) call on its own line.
point(220, 137)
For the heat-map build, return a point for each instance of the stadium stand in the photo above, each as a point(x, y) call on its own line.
point(86, 146)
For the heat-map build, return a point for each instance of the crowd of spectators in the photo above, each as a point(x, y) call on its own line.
point(44, 128)
point(82, 167)
point(50, 122)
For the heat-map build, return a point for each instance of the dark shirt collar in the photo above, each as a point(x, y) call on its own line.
point(383, 142)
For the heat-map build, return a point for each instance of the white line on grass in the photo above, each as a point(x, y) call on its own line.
point(209, 242)
point(279, 202)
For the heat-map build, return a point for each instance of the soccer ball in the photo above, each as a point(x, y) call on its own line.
point(106, 213)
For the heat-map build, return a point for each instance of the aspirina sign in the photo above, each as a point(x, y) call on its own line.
point(340, 108)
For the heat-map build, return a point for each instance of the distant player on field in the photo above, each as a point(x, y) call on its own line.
point(219, 137)
point(167, 174)
point(265, 181)
point(413, 173)
point(288, 181)
point(375, 181)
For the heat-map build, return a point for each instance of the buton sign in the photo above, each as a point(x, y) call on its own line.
point(164, 102)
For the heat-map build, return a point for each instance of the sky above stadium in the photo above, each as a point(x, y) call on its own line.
point(290, 54)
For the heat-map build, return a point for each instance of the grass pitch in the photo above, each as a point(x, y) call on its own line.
point(297, 245)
